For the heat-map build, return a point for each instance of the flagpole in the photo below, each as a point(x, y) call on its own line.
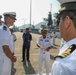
point(30, 13)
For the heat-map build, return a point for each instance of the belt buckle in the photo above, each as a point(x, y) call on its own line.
point(43, 52)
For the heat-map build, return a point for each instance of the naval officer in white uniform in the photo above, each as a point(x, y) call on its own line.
point(6, 56)
point(65, 62)
point(45, 44)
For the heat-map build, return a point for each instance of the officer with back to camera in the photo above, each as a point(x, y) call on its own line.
point(65, 62)
point(45, 44)
point(6, 54)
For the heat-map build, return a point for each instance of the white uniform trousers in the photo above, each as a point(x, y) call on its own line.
point(5, 65)
point(44, 57)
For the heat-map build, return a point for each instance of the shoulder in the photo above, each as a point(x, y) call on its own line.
point(30, 34)
point(23, 34)
point(40, 37)
point(4, 28)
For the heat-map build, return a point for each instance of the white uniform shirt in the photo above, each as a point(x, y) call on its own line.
point(67, 65)
point(44, 43)
point(5, 38)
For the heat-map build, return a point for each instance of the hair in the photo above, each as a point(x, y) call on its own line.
point(5, 17)
point(27, 28)
point(70, 13)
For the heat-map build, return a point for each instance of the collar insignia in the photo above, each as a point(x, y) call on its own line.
point(4, 28)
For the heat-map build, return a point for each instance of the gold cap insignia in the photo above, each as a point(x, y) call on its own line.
point(62, 9)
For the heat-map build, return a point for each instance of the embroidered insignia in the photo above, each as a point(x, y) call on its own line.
point(4, 28)
point(46, 40)
point(67, 52)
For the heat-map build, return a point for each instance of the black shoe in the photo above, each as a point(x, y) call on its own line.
point(22, 60)
point(28, 60)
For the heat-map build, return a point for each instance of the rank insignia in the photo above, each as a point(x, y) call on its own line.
point(67, 52)
point(4, 28)
point(46, 40)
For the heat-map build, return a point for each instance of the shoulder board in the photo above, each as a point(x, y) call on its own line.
point(4, 28)
point(67, 52)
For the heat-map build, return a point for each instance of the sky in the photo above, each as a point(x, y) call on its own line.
point(39, 10)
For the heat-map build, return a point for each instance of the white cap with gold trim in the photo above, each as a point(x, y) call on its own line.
point(10, 14)
point(67, 5)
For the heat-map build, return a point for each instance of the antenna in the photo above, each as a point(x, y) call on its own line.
point(51, 7)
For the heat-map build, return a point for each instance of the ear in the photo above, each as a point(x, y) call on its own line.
point(67, 22)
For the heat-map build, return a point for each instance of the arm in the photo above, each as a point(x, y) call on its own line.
point(48, 48)
point(23, 36)
point(5, 43)
point(8, 53)
point(30, 38)
point(38, 44)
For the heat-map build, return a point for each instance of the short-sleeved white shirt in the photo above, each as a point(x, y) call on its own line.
point(5, 37)
point(67, 65)
point(44, 42)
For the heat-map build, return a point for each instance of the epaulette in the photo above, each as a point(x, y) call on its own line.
point(4, 28)
point(67, 52)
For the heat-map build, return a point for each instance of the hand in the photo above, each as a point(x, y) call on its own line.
point(14, 59)
point(47, 49)
point(28, 40)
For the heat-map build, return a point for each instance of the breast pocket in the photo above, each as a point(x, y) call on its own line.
point(47, 44)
